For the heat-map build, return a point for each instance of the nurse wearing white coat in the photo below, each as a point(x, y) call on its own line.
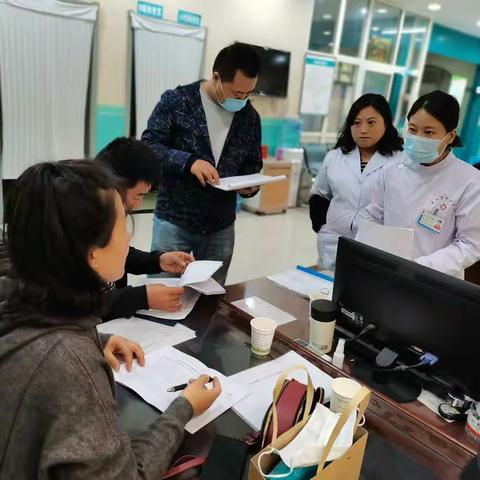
point(432, 191)
point(366, 144)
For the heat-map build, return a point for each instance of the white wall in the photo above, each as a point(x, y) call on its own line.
point(281, 24)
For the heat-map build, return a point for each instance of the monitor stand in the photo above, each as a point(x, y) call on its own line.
point(400, 386)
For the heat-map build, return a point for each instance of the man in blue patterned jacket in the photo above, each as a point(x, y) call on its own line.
point(200, 133)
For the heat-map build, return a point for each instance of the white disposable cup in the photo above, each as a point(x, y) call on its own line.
point(343, 391)
point(263, 330)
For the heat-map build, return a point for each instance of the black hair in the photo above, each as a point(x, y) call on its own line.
point(238, 56)
point(390, 142)
point(54, 215)
point(132, 161)
point(443, 107)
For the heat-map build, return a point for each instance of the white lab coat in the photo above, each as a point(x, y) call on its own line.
point(349, 190)
point(451, 191)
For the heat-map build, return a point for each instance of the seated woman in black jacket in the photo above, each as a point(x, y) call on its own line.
point(137, 170)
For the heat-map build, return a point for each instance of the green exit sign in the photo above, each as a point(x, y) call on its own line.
point(189, 18)
point(150, 9)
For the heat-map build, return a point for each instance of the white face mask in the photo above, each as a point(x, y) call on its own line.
point(307, 447)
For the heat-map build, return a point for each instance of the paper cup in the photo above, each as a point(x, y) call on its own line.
point(263, 330)
point(343, 390)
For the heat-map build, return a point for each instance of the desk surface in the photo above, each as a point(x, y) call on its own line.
point(223, 343)
point(443, 447)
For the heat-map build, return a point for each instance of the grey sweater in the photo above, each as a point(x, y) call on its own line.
point(57, 410)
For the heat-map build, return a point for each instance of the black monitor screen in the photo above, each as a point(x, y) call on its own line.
point(273, 79)
point(411, 305)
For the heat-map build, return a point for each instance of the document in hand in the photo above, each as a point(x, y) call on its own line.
point(150, 335)
point(168, 367)
point(189, 299)
point(260, 381)
point(395, 240)
point(208, 287)
point(244, 181)
point(199, 271)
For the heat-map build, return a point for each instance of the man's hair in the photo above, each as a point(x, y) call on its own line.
point(238, 56)
point(131, 160)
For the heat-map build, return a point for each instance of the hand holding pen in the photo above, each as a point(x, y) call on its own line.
point(199, 396)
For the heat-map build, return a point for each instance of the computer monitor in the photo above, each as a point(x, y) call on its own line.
point(411, 305)
point(274, 74)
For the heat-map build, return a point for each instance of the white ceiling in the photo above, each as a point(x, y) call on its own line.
point(461, 15)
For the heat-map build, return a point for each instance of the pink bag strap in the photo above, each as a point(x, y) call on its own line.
point(183, 464)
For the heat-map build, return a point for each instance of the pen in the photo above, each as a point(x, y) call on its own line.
point(183, 386)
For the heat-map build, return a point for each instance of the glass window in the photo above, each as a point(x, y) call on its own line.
point(312, 123)
point(414, 33)
point(376, 82)
point(322, 32)
point(342, 95)
point(383, 33)
point(355, 17)
point(406, 101)
point(395, 93)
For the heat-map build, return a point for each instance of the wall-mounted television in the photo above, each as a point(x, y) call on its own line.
point(273, 79)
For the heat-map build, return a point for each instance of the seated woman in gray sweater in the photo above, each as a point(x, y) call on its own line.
point(67, 237)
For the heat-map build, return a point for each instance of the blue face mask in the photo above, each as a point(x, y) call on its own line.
point(231, 104)
point(421, 149)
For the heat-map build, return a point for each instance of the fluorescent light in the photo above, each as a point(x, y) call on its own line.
point(382, 10)
point(375, 29)
point(363, 11)
point(389, 32)
point(327, 16)
point(478, 23)
point(327, 32)
point(434, 7)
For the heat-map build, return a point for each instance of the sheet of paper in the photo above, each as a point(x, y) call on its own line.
point(302, 283)
point(209, 287)
point(260, 382)
point(256, 307)
point(150, 335)
point(168, 367)
point(244, 181)
point(395, 240)
point(189, 299)
point(199, 271)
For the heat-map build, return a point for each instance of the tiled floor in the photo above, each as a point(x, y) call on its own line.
point(265, 244)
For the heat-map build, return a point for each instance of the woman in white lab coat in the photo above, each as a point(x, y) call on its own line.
point(432, 191)
point(367, 142)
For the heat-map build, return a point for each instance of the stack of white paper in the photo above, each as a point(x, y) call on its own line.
point(244, 181)
point(168, 367)
point(150, 335)
point(302, 283)
point(395, 240)
point(260, 381)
